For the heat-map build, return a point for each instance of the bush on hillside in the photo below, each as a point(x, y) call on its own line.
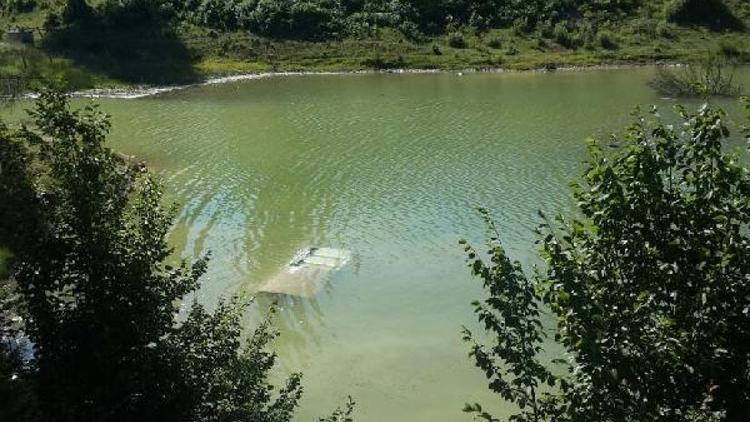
point(665, 30)
point(607, 40)
point(304, 19)
point(457, 40)
point(495, 42)
point(563, 36)
point(315, 19)
point(731, 50)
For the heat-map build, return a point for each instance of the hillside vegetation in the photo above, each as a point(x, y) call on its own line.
point(126, 42)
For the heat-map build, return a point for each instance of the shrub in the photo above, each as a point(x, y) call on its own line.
point(587, 34)
point(522, 26)
point(547, 30)
point(217, 14)
point(665, 30)
point(316, 19)
point(562, 36)
point(266, 17)
point(730, 50)
point(382, 63)
point(411, 31)
point(457, 40)
point(52, 20)
point(645, 27)
point(712, 76)
point(304, 19)
point(496, 43)
point(607, 40)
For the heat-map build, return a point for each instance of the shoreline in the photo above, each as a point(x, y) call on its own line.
point(150, 91)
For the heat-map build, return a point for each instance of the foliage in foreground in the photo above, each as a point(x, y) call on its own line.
point(91, 292)
point(650, 287)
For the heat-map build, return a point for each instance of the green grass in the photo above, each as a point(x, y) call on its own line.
point(87, 58)
point(234, 52)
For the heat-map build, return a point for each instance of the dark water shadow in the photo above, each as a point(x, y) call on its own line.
point(146, 53)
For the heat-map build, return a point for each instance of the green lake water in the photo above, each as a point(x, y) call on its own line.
point(389, 167)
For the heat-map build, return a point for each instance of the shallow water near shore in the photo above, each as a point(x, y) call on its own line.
point(136, 92)
point(388, 167)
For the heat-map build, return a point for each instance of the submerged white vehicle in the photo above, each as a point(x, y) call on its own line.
point(305, 273)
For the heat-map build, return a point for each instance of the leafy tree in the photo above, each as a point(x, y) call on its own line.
point(650, 285)
point(217, 13)
point(512, 315)
point(267, 17)
point(90, 290)
point(315, 18)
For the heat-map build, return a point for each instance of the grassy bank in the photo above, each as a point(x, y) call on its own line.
point(89, 57)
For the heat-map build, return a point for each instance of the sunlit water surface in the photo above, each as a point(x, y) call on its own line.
point(389, 167)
